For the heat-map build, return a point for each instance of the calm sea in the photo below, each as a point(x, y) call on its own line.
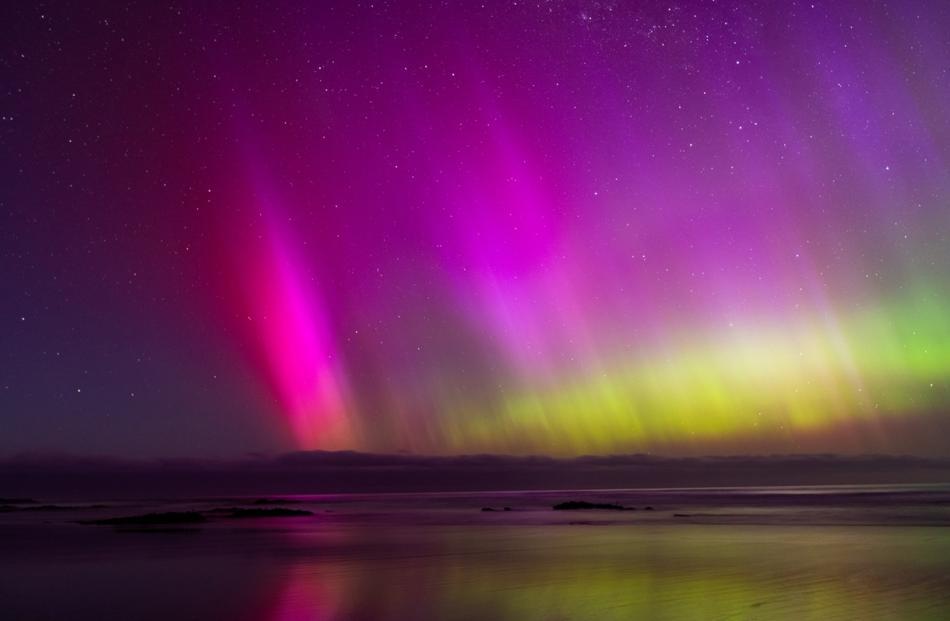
point(743, 553)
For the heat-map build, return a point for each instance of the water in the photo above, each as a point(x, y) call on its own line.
point(783, 553)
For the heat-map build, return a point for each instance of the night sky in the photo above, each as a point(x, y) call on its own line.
point(522, 227)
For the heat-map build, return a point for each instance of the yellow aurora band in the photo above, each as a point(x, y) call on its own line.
point(754, 378)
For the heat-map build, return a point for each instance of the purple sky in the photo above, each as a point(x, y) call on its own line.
point(529, 227)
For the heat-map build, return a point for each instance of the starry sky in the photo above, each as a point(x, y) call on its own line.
point(556, 228)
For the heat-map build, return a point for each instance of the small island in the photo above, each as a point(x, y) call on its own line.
point(582, 505)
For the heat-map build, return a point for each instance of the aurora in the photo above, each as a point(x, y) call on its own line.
point(702, 228)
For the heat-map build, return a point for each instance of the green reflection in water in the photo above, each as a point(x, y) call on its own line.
point(607, 573)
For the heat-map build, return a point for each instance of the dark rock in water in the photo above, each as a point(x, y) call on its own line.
point(243, 512)
point(275, 501)
point(682, 515)
point(171, 529)
point(195, 517)
point(507, 508)
point(648, 508)
point(221, 510)
point(265, 513)
point(174, 517)
point(579, 505)
point(487, 509)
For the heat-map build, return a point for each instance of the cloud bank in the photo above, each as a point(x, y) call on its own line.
point(315, 472)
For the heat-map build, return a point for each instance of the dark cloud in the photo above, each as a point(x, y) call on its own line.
point(347, 471)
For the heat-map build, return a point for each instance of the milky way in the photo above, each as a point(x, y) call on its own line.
point(559, 228)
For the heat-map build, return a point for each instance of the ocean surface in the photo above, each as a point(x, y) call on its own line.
point(712, 554)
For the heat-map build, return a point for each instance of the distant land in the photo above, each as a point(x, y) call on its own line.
point(313, 472)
